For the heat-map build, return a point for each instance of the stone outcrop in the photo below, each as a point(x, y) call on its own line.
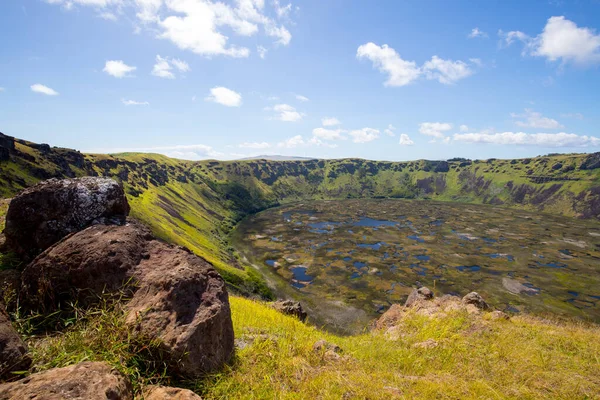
point(84, 381)
point(169, 393)
point(475, 299)
point(45, 213)
point(417, 295)
point(177, 298)
point(290, 307)
point(13, 352)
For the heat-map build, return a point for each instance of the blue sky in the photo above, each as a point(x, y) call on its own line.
point(392, 80)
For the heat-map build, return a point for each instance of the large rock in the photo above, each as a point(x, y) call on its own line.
point(290, 307)
point(182, 302)
point(178, 299)
point(418, 295)
point(169, 393)
point(13, 352)
point(84, 381)
point(45, 213)
point(98, 260)
point(475, 299)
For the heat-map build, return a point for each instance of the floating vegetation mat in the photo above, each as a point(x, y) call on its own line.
point(370, 253)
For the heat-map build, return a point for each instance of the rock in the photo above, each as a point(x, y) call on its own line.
point(13, 352)
point(45, 213)
point(84, 381)
point(475, 299)
point(4, 154)
point(428, 344)
point(418, 295)
point(324, 346)
point(182, 302)
point(169, 393)
point(100, 259)
point(499, 315)
point(290, 307)
point(177, 298)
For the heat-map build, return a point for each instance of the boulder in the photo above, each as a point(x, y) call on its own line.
point(475, 299)
point(290, 307)
point(418, 295)
point(84, 381)
point(13, 352)
point(98, 260)
point(169, 393)
point(45, 213)
point(182, 302)
point(323, 346)
point(177, 299)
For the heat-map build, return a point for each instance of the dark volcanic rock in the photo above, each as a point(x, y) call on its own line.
point(417, 295)
point(290, 307)
point(177, 298)
point(13, 352)
point(8, 142)
point(99, 259)
point(4, 154)
point(84, 381)
point(475, 299)
point(169, 393)
point(45, 213)
point(182, 301)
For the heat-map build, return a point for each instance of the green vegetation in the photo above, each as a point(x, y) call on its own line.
point(476, 357)
point(196, 204)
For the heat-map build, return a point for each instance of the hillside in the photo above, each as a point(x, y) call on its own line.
point(456, 352)
point(196, 204)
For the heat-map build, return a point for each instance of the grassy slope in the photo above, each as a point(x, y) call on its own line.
point(476, 358)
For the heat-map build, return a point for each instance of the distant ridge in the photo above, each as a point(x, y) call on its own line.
point(277, 158)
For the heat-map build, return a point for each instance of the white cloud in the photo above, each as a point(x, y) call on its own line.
point(434, 129)
point(405, 140)
point(164, 67)
point(477, 33)
point(328, 134)
point(108, 16)
point(181, 65)
point(315, 141)
point(330, 121)
point(364, 135)
point(292, 142)
point(302, 98)
point(224, 96)
point(390, 130)
point(561, 139)
point(286, 113)
point(39, 88)
point(534, 119)
point(262, 51)
point(118, 68)
point(561, 40)
point(96, 3)
point(384, 58)
point(578, 116)
point(463, 128)
point(401, 72)
point(134, 103)
point(255, 145)
point(446, 71)
point(282, 11)
point(187, 152)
